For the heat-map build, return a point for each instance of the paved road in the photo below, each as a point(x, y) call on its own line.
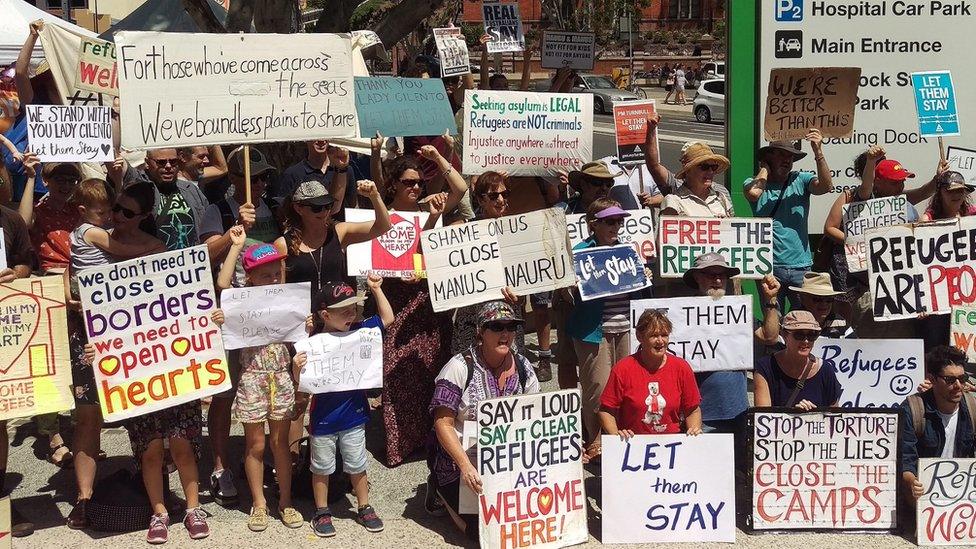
point(675, 126)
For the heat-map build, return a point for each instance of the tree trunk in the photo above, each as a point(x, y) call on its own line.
point(277, 16)
point(203, 16)
point(240, 15)
point(404, 18)
point(335, 17)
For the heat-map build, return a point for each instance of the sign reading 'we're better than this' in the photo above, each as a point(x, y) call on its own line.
point(182, 89)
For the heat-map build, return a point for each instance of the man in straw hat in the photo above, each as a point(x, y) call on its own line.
point(782, 193)
point(817, 295)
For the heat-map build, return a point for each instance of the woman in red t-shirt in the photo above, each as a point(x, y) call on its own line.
point(651, 391)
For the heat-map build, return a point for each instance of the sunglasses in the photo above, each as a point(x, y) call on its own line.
point(129, 214)
point(805, 335)
point(165, 161)
point(599, 183)
point(709, 167)
point(316, 208)
point(418, 183)
point(495, 194)
point(821, 299)
point(949, 380)
point(501, 326)
point(612, 221)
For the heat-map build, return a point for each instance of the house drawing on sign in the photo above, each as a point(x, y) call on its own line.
point(29, 347)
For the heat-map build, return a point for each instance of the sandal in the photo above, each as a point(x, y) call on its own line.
point(101, 456)
point(66, 458)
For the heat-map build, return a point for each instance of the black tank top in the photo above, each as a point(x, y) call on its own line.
point(326, 264)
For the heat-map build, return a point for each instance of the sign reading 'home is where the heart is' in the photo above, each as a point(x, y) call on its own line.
point(393, 254)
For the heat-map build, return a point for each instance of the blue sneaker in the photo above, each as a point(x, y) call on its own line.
point(368, 518)
point(322, 523)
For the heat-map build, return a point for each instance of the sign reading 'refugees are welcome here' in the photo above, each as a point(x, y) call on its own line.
point(182, 89)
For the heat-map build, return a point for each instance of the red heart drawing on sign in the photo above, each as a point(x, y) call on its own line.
point(545, 501)
point(14, 305)
point(401, 237)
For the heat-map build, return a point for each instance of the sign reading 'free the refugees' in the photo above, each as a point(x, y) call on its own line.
point(745, 243)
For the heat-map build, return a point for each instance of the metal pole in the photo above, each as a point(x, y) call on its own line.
point(630, 38)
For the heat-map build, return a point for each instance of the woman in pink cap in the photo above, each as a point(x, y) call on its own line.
point(795, 376)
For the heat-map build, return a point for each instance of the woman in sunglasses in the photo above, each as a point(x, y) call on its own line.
point(794, 376)
point(698, 196)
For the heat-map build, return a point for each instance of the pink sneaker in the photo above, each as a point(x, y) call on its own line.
point(158, 529)
point(196, 523)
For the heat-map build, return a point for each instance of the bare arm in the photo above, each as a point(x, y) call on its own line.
point(769, 288)
point(758, 184)
point(225, 278)
point(652, 157)
point(383, 308)
point(351, 233)
point(217, 167)
point(928, 189)
point(832, 226)
point(693, 421)
point(11, 147)
point(526, 69)
point(823, 183)
point(101, 239)
point(21, 68)
point(447, 438)
point(376, 159)
point(608, 422)
point(761, 391)
point(484, 76)
point(26, 206)
point(455, 183)
point(866, 189)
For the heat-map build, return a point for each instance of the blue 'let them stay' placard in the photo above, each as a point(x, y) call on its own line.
point(606, 271)
point(403, 107)
point(935, 102)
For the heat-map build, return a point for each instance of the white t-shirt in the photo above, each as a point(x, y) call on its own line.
point(951, 421)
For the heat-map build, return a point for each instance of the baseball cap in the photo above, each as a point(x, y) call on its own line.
point(497, 310)
point(892, 170)
point(954, 180)
point(259, 163)
point(335, 295)
point(260, 254)
point(312, 192)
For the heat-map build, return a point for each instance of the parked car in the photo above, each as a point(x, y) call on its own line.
point(709, 102)
point(605, 94)
point(713, 69)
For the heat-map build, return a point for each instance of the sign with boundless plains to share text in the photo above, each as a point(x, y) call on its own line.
point(183, 89)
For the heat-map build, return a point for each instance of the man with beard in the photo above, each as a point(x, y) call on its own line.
point(180, 205)
point(206, 167)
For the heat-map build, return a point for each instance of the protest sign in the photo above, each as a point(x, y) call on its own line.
point(83, 74)
point(746, 243)
point(711, 334)
point(504, 24)
point(453, 52)
point(630, 125)
point(962, 330)
point(824, 470)
point(59, 133)
point(35, 367)
point(3, 251)
point(802, 98)
point(530, 450)
point(525, 133)
point(155, 344)
point(922, 269)
point(873, 373)
point(935, 104)
point(574, 50)
point(5, 524)
point(637, 231)
point(472, 262)
point(861, 216)
point(403, 107)
point(259, 315)
point(668, 488)
point(946, 510)
point(963, 161)
point(395, 253)
point(96, 67)
point(606, 271)
point(182, 89)
point(342, 361)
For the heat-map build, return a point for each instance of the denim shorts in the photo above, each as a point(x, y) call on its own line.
point(352, 446)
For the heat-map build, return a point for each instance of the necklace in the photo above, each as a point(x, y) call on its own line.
point(318, 266)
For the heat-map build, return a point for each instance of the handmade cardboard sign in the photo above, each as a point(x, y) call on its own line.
point(395, 254)
point(342, 361)
point(181, 89)
point(802, 98)
point(630, 125)
point(859, 217)
point(746, 243)
point(259, 315)
point(927, 268)
point(504, 24)
point(530, 450)
point(874, 373)
point(59, 133)
point(962, 330)
point(606, 271)
point(963, 161)
point(403, 107)
point(96, 67)
point(471, 263)
point(637, 231)
point(573, 50)
point(945, 510)
point(82, 67)
point(824, 470)
point(3, 251)
point(935, 104)
point(35, 367)
point(453, 52)
point(668, 488)
point(526, 133)
point(155, 344)
point(711, 334)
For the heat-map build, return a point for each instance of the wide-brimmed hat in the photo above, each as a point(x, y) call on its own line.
point(951, 181)
point(595, 170)
point(695, 153)
point(706, 261)
point(815, 283)
point(792, 147)
point(800, 320)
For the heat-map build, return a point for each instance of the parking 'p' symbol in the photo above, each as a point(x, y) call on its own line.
point(789, 10)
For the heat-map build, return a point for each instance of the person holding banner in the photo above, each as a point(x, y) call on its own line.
point(795, 376)
point(180, 205)
point(651, 392)
point(701, 179)
point(491, 368)
point(499, 81)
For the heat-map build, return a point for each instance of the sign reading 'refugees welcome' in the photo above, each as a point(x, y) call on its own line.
point(182, 89)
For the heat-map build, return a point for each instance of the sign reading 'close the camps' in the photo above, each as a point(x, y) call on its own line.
point(711, 334)
point(859, 217)
point(668, 488)
point(744, 242)
point(62, 133)
point(530, 456)
point(572, 50)
point(606, 271)
point(928, 268)
point(962, 330)
point(504, 25)
point(525, 133)
point(824, 470)
point(874, 373)
point(181, 89)
point(403, 107)
point(637, 231)
point(155, 343)
point(472, 262)
point(802, 98)
point(947, 507)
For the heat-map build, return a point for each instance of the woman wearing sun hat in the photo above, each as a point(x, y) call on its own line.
point(699, 196)
point(795, 376)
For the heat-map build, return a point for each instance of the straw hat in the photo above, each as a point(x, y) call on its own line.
point(816, 284)
point(694, 153)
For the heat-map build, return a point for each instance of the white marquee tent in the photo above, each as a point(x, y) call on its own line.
point(15, 19)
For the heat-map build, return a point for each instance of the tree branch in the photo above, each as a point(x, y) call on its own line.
point(335, 18)
point(403, 18)
point(240, 15)
point(203, 16)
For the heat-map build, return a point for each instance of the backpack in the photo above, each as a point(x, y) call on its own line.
point(917, 408)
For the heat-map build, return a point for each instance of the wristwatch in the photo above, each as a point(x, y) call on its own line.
point(772, 304)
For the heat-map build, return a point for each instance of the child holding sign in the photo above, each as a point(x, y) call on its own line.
point(339, 419)
point(266, 390)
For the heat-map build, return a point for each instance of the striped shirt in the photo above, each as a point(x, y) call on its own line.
point(616, 314)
